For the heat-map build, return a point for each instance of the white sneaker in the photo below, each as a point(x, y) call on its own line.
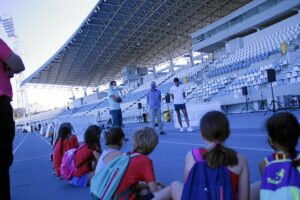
point(189, 129)
point(181, 130)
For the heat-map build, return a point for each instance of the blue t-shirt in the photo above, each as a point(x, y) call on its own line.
point(112, 104)
point(154, 99)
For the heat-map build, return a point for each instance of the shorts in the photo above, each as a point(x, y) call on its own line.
point(81, 181)
point(179, 107)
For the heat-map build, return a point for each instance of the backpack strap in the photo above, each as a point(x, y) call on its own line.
point(126, 192)
point(197, 154)
point(279, 156)
point(85, 161)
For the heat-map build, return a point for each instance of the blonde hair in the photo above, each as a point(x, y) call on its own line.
point(145, 140)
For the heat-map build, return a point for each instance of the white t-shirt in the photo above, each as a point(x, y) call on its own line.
point(178, 94)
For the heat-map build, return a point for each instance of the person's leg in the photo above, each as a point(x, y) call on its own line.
point(91, 174)
point(174, 192)
point(254, 190)
point(114, 117)
point(152, 117)
point(186, 117)
point(179, 118)
point(120, 118)
point(7, 133)
point(158, 116)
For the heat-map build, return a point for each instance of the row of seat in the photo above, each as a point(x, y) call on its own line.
point(255, 51)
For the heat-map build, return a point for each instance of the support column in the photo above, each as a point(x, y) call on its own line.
point(191, 58)
point(154, 72)
point(171, 67)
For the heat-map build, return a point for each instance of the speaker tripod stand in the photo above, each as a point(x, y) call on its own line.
point(262, 104)
point(273, 102)
point(247, 107)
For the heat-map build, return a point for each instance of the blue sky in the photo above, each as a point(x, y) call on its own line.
point(42, 27)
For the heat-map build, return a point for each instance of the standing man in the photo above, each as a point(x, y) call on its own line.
point(114, 103)
point(10, 64)
point(153, 102)
point(178, 96)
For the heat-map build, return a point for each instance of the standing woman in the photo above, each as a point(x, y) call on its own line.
point(10, 64)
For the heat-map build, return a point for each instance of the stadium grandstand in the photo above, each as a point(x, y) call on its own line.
point(232, 51)
point(238, 56)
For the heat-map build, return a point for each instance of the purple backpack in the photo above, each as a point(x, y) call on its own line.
point(68, 167)
point(280, 179)
point(206, 183)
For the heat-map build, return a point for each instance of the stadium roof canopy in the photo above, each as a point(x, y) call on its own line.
point(119, 33)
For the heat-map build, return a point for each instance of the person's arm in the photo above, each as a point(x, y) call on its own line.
point(159, 95)
point(183, 90)
point(189, 163)
point(262, 166)
point(147, 172)
point(244, 180)
point(148, 98)
point(75, 142)
point(96, 155)
point(171, 94)
point(116, 99)
point(14, 63)
point(153, 186)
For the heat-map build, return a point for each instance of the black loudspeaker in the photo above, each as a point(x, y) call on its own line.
point(244, 91)
point(271, 74)
point(167, 97)
point(140, 105)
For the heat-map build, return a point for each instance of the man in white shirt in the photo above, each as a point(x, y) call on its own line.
point(177, 94)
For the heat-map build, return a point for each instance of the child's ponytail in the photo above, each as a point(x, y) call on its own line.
point(220, 156)
point(214, 127)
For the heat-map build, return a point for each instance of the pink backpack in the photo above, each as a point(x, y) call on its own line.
point(68, 167)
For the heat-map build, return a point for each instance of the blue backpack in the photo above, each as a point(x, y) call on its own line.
point(105, 183)
point(206, 183)
point(280, 180)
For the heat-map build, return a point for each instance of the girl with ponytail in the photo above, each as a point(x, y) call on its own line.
point(215, 129)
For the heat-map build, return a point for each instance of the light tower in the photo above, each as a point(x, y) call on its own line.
point(21, 95)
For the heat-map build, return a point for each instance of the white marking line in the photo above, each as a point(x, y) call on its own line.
point(19, 145)
point(42, 138)
point(202, 145)
point(33, 158)
point(251, 135)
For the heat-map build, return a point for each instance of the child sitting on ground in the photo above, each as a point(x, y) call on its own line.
point(139, 176)
point(64, 142)
point(87, 156)
point(280, 171)
point(215, 130)
point(115, 138)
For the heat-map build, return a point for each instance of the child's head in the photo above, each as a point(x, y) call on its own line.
point(283, 130)
point(214, 127)
point(92, 137)
point(65, 130)
point(145, 140)
point(114, 137)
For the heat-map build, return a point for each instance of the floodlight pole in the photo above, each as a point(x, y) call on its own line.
point(22, 100)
